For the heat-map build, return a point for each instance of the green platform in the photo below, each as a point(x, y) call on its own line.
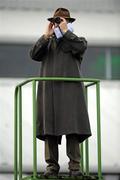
point(65, 177)
point(18, 165)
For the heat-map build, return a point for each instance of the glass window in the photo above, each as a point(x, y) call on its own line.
point(98, 62)
point(115, 58)
point(15, 61)
point(93, 64)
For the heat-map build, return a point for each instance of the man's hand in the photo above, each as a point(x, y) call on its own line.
point(63, 25)
point(49, 30)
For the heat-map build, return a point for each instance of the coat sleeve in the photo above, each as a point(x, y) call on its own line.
point(39, 49)
point(78, 45)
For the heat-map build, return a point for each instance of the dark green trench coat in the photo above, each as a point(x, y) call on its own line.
point(61, 107)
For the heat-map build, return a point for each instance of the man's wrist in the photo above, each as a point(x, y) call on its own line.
point(64, 31)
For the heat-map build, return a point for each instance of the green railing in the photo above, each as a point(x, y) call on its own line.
point(18, 170)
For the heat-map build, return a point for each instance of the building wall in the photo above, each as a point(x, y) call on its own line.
point(28, 26)
point(110, 93)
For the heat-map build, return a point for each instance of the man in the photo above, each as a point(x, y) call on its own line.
point(61, 105)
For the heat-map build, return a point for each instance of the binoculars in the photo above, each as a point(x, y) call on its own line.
point(56, 20)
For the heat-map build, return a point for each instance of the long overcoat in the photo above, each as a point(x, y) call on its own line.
point(61, 107)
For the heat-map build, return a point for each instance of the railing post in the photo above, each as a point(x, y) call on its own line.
point(98, 130)
point(34, 130)
point(82, 157)
point(15, 134)
point(82, 146)
point(86, 141)
point(20, 130)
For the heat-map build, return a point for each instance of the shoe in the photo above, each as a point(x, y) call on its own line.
point(49, 173)
point(75, 173)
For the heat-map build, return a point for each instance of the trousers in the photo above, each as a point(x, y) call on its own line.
point(72, 151)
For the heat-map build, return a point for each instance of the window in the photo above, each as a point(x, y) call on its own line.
point(98, 62)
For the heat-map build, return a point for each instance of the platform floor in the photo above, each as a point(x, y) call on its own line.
point(4, 176)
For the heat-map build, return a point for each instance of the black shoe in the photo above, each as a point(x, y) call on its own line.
point(75, 173)
point(50, 173)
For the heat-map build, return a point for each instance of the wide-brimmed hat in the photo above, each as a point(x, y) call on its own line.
point(62, 12)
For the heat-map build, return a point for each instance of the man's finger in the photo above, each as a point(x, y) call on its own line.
point(50, 25)
point(64, 20)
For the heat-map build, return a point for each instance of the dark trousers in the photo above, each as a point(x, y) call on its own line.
point(72, 151)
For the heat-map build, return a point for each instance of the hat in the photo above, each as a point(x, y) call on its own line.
point(62, 12)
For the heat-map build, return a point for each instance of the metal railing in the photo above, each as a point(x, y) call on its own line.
point(18, 170)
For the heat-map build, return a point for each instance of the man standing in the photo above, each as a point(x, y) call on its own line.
point(61, 106)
